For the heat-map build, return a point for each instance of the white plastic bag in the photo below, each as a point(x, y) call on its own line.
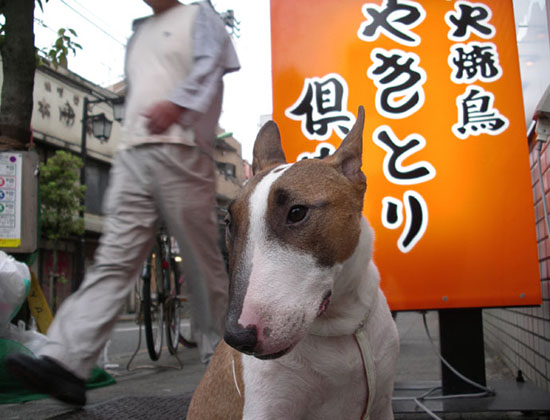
point(32, 340)
point(15, 282)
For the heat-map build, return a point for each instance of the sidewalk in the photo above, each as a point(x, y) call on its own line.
point(149, 390)
point(161, 391)
point(419, 367)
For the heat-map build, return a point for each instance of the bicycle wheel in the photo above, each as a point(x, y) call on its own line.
point(153, 308)
point(172, 303)
point(172, 325)
point(185, 336)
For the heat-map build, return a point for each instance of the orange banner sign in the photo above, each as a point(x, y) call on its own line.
point(445, 150)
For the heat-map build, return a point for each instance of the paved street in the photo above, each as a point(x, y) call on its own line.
point(160, 390)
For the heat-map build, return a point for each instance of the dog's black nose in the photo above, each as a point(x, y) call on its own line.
point(241, 339)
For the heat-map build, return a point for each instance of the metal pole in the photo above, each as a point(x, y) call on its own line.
point(81, 244)
point(83, 147)
point(461, 343)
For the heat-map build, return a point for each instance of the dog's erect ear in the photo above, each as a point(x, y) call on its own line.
point(348, 157)
point(268, 151)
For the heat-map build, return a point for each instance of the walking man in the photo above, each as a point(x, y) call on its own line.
point(163, 170)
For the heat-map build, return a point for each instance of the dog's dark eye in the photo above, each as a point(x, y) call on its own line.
point(227, 220)
point(228, 226)
point(228, 235)
point(296, 214)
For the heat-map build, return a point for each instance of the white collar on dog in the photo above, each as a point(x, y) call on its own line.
point(368, 367)
point(360, 325)
point(366, 356)
point(364, 320)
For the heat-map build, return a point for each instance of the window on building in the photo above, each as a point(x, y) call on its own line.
point(97, 176)
point(227, 169)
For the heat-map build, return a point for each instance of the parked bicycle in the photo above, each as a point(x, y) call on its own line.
point(162, 305)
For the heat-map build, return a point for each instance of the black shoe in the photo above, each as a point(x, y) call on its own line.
point(46, 376)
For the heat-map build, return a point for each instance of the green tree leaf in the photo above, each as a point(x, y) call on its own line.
point(62, 195)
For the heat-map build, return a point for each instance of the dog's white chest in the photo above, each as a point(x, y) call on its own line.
point(320, 379)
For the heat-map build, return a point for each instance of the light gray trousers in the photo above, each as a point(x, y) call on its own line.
point(175, 183)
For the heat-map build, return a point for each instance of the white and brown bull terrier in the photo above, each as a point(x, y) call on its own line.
point(310, 331)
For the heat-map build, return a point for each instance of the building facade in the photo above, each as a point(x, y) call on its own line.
point(521, 336)
point(57, 124)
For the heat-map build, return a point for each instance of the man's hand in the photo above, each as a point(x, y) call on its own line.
point(162, 115)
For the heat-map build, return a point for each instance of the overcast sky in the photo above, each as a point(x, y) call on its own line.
point(103, 27)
